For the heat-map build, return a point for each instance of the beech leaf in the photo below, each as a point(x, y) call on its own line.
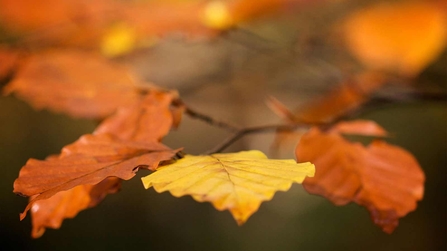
point(341, 100)
point(385, 179)
point(148, 119)
point(237, 182)
point(78, 83)
point(50, 213)
point(89, 160)
point(402, 37)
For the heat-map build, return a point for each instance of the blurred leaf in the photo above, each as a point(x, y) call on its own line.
point(401, 37)
point(341, 100)
point(385, 179)
point(237, 182)
point(78, 83)
point(9, 61)
point(359, 127)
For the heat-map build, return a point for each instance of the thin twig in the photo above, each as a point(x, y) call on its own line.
point(256, 129)
point(239, 132)
point(210, 120)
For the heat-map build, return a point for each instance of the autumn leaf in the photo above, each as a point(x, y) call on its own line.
point(223, 15)
point(359, 127)
point(78, 83)
point(128, 132)
point(89, 160)
point(9, 61)
point(385, 179)
point(50, 213)
point(148, 119)
point(237, 182)
point(401, 37)
point(91, 25)
point(341, 100)
point(77, 23)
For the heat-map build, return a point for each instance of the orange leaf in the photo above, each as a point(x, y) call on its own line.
point(122, 143)
point(78, 83)
point(89, 160)
point(149, 119)
point(50, 213)
point(9, 61)
point(56, 22)
point(345, 98)
point(149, 18)
point(401, 37)
point(360, 127)
point(386, 179)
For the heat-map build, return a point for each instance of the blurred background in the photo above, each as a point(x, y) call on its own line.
point(226, 61)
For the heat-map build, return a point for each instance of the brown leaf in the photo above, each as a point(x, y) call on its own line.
point(78, 83)
point(50, 213)
point(149, 119)
point(386, 179)
point(89, 160)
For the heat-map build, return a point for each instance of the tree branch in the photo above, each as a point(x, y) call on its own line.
point(210, 120)
point(239, 132)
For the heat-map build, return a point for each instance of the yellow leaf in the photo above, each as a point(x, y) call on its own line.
point(237, 182)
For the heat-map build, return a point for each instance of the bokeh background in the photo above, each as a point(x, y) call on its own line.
point(294, 57)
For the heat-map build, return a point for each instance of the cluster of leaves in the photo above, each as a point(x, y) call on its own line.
point(135, 116)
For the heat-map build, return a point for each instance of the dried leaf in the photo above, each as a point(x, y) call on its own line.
point(401, 37)
point(147, 120)
point(89, 160)
point(386, 179)
point(237, 182)
point(50, 213)
point(121, 144)
point(78, 83)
